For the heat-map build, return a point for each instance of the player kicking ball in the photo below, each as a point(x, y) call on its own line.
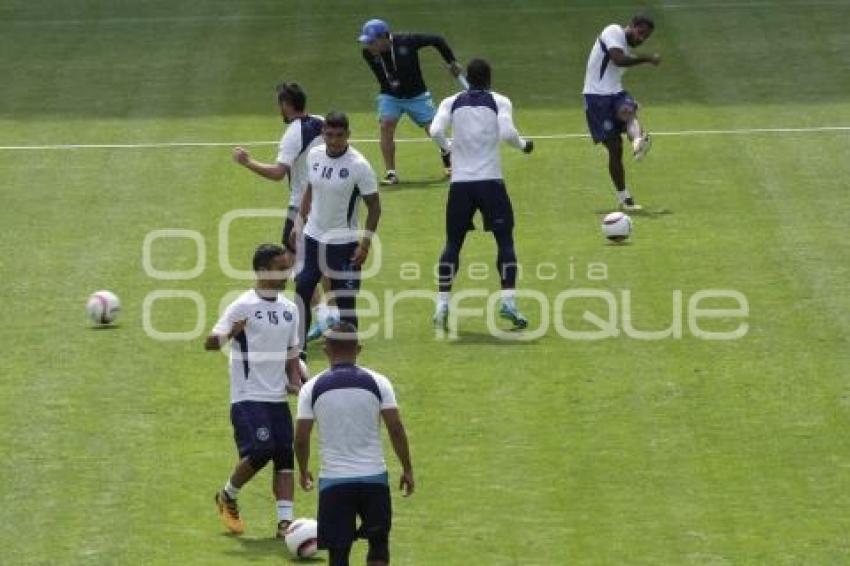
point(479, 119)
point(610, 110)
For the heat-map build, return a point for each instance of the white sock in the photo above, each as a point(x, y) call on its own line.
point(231, 490)
point(508, 297)
point(322, 312)
point(443, 299)
point(623, 195)
point(333, 313)
point(284, 510)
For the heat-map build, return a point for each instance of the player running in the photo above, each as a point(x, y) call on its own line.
point(263, 328)
point(394, 59)
point(610, 110)
point(479, 119)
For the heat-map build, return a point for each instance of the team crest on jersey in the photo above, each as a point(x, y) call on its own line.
point(287, 316)
point(608, 125)
point(343, 173)
point(403, 50)
point(263, 434)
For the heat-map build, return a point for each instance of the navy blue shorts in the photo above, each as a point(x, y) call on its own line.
point(601, 112)
point(263, 428)
point(490, 197)
point(341, 504)
point(332, 260)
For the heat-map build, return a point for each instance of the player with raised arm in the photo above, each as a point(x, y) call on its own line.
point(262, 326)
point(347, 403)
point(338, 177)
point(302, 133)
point(610, 110)
point(479, 119)
point(394, 59)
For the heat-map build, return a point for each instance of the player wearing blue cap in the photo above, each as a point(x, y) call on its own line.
point(394, 59)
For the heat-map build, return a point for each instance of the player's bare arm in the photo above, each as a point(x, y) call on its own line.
point(271, 171)
point(373, 207)
point(214, 342)
point(398, 439)
point(621, 59)
point(293, 372)
point(303, 428)
point(301, 219)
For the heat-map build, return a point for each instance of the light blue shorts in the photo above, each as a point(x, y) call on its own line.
point(420, 108)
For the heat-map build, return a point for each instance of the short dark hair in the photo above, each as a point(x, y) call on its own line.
point(264, 254)
point(293, 94)
point(643, 20)
point(341, 336)
point(336, 119)
point(478, 74)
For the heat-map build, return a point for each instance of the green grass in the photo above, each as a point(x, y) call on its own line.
point(554, 451)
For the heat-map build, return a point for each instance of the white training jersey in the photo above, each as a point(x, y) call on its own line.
point(479, 120)
point(346, 402)
point(602, 75)
point(337, 182)
point(258, 355)
point(299, 137)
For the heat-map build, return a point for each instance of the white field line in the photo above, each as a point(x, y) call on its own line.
point(423, 139)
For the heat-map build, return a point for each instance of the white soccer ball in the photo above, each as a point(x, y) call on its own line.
point(103, 307)
point(301, 538)
point(617, 226)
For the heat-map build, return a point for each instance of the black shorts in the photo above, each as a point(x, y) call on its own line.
point(262, 427)
point(490, 197)
point(341, 504)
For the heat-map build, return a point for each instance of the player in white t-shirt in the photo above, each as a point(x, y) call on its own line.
point(609, 109)
point(347, 403)
point(303, 133)
point(338, 177)
point(479, 119)
point(262, 325)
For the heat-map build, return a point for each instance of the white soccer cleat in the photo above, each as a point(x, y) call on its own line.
point(629, 205)
point(641, 146)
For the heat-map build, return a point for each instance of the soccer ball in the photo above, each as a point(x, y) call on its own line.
point(103, 307)
point(301, 537)
point(616, 226)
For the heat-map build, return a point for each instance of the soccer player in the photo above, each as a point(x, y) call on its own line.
point(394, 59)
point(303, 132)
point(479, 119)
point(347, 402)
point(610, 110)
point(338, 175)
point(263, 328)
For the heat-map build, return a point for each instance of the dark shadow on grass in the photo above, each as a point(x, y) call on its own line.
point(105, 327)
point(647, 212)
point(254, 548)
point(434, 183)
point(485, 339)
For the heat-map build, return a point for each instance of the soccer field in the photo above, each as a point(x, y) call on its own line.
point(556, 446)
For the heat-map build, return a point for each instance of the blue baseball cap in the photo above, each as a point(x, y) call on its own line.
point(372, 30)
